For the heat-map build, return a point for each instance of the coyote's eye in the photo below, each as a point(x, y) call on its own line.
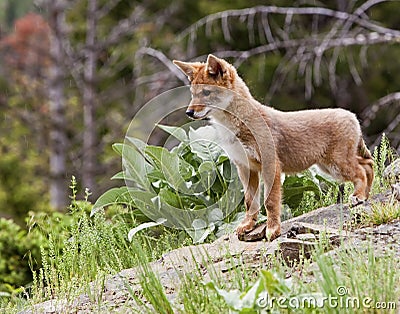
point(206, 92)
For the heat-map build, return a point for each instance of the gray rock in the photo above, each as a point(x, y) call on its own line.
point(392, 172)
point(306, 237)
point(255, 235)
point(396, 191)
point(294, 250)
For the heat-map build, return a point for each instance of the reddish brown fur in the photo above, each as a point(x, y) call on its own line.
point(276, 141)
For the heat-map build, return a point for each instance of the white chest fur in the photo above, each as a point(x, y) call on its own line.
point(235, 150)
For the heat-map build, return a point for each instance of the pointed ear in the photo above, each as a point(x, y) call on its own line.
point(186, 67)
point(215, 66)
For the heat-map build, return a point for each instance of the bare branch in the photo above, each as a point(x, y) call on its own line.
point(359, 40)
point(349, 29)
point(353, 69)
point(250, 28)
point(267, 28)
point(339, 15)
point(320, 49)
point(279, 75)
point(164, 60)
point(370, 113)
point(332, 69)
point(367, 5)
point(389, 129)
point(225, 27)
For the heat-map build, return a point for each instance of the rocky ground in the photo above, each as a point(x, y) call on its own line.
point(299, 236)
point(338, 224)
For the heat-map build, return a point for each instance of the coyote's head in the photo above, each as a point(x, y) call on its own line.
point(211, 85)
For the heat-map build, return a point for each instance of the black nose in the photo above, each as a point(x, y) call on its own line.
point(190, 113)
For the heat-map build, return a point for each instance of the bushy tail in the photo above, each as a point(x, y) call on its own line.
point(364, 152)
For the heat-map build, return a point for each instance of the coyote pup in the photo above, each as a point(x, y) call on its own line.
point(263, 142)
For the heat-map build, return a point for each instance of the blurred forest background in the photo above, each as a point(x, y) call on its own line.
point(74, 73)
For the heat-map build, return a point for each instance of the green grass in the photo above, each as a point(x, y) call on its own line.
point(87, 251)
point(347, 278)
point(381, 213)
point(350, 281)
point(358, 275)
point(152, 296)
point(383, 155)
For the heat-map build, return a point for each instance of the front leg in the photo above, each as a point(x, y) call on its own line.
point(251, 184)
point(272, 202)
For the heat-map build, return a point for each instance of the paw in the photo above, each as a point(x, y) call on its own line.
point(245, 226)
point(355, 201)
point(272, 233)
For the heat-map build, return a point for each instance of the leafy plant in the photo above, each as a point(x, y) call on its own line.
point(17, 253)
point(192, 187)
point(308, 190)
point(267, 284)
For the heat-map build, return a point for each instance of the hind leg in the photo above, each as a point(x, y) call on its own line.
point(360, 187)
point(367, 164)
point(351, 170)
point(357, 174)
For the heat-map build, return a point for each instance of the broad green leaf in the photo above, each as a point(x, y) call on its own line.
point(157, 154)
point(122, 176)
point(169, 197)
point(145, 225)
point(201, 235)
point(294, 188)
point(194, 202)
point(142, 199)
point(155, 175)
point(222, 158)
point(201, 230)
point(215, 215)
point(250, 297)
point(118, 176)
point(231, 298)
point(207, 173)
point(117, 147)
point(229, 171)
point(186, 170)
point(203, 143)
point(175, 131)
point(110, 197)
point(273, 283)
point(136, 167)
point(206, 166)
point(169, 164)
point(199, 224)
point(139, 144)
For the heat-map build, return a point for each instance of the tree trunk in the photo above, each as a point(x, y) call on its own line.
point(58, 138)
point(89, 100)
